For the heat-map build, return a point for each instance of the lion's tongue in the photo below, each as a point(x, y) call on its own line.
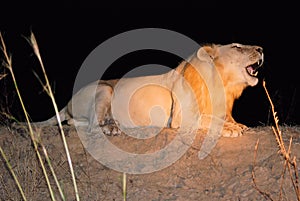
point(250, 70)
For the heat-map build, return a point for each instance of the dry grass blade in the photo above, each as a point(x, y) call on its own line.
point(8, 64)
point(48, 89)
point(2, 76)
point(293, 172)
point(8, 116)
point(286, 153)
point(296, 174)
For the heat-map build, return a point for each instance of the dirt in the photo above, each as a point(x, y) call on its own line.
point(227, 173)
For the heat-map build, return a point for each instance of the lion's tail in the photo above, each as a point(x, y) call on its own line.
point(50, 122)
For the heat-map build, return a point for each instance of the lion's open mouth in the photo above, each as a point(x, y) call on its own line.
point(252, 69)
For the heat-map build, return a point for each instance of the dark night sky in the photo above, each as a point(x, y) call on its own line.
point(68, 32)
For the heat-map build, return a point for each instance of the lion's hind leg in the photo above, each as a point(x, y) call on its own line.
point(100, 116)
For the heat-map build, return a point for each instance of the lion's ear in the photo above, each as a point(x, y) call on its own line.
point(206, 53)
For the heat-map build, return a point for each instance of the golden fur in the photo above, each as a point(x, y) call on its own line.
point(207, 84)
point(233, 81)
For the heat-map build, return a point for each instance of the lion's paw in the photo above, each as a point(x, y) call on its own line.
point(233, 129)
point(111, 130)
point(110, 127)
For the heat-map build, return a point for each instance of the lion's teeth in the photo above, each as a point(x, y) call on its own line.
point(255, 74)
point(260, 62)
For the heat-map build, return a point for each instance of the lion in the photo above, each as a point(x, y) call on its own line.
point(204, 85)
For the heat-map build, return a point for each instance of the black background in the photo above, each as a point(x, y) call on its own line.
point(68, 31)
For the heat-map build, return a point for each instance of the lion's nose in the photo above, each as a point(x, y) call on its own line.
point(259, 49)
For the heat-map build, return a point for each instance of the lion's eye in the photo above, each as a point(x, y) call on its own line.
point(236, 46)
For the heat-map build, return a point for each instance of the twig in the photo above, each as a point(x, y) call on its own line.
point(285, 153)
point(266, 195)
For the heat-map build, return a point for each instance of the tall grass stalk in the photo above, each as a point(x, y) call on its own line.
point(8, 65)
point(53, 172)
point(124, 186)
point(48, 90)
point(13, 174)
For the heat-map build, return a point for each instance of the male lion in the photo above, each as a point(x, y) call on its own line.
point(205, 85)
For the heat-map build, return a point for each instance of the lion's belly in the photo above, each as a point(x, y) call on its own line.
point(150, 106)
point(143, 102)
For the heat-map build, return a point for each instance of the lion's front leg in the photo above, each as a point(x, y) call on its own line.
point(228, 128)
point(233, 129)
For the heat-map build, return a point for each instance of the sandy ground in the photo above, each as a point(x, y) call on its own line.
point(226, 174)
